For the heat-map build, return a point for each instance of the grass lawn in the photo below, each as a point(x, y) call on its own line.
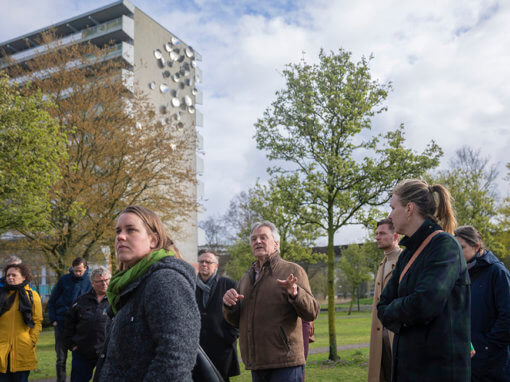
point(46, 357)
point(351, 329)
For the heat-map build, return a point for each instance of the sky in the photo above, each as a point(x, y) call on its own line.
point(448, 62)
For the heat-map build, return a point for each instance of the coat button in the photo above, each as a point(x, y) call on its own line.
point(378, 328)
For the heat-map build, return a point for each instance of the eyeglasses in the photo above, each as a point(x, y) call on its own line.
point(104, 281)
point(206, 262)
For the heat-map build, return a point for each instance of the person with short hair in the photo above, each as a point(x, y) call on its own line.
point(155, 329)
point(20, 324)
point(490, 308)
point(85, 324)
point(68, 288)
point(217, 337)
point(381, 339)
point(267, 305)
point(426, 301)
point(11, 259)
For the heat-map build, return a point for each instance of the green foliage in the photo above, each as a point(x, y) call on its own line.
point(318, 131)
point(275, 202)
point(118, 153)
point(31, 148)
point(503, 236)
point(472, 182)
point(240, 259)
point(354, 265)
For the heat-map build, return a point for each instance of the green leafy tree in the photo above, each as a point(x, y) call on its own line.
point(31, 148)
point(118, 152)
point(471, 180)
point(240, 258)
point(273, 202)
point(318, 130)
point(355, 268)
point(503, 235)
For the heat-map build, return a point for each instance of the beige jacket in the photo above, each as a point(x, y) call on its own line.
point(376, 341)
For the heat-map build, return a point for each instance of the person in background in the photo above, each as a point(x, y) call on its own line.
point(426, 302)
point(217, 337)
point(85, 324)
point(11, 259)
point(20, 324)
point(68, 288)
point(381, 339)
point(154, 334)
point(271, 299)
point(490, 308)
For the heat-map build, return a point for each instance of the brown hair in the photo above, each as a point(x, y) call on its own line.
point(422, 195)
point(470, 235)
point(23, 269)
point(154, 227)
point(388, 222)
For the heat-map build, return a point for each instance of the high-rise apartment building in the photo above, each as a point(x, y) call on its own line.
point(156, 60)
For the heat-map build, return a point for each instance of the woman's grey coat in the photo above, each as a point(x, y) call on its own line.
point(155, 334)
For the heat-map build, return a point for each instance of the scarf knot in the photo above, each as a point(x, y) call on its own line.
point(121, 280)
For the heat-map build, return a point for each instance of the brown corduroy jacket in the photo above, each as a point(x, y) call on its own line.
point(270, 331)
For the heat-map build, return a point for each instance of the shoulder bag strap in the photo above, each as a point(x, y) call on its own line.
point(417, 253)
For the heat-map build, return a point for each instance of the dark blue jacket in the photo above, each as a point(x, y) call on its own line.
point(68, 289)
point(490, 319)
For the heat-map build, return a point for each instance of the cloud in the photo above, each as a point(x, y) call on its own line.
point(448, 63)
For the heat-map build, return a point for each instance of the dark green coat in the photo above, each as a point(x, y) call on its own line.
point(429, 311)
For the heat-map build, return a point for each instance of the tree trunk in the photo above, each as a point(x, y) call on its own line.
point(350, 305)
point(333, 355)
point(359, 286)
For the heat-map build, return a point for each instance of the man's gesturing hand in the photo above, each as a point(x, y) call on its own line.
point(290, 284)
point(231, 297)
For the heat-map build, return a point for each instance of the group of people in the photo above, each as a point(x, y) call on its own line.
point(439, 302)
point(441, 309)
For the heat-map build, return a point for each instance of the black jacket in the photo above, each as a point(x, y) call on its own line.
point(84, 325)
point(490, 319)
point(217, 337)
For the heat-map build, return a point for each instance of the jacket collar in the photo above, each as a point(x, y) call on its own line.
point(412, 243)
point(488, 258)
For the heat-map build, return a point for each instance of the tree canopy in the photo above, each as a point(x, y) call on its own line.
point(471, 180)
point(118, 152)
point(319, 131)
point(31, 148)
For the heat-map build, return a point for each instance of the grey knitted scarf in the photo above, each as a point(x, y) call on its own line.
point(206, 287)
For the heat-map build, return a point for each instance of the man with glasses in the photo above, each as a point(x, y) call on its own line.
point(217, 337)
point(84, 326)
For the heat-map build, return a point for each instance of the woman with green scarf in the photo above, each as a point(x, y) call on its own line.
point(154, 334)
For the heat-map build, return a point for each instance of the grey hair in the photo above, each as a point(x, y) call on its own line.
point(268, 224)
point(210, 253)
point(12, 259)
point(99, 271)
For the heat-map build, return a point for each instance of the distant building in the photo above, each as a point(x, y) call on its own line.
point(156, 59)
